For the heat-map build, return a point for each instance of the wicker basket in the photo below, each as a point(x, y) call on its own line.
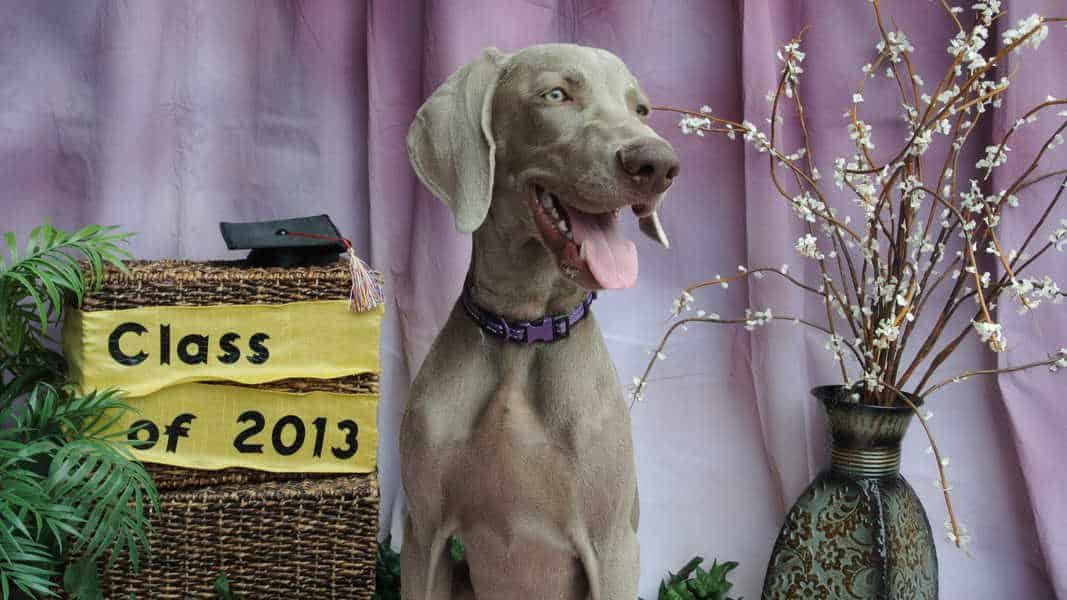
point(188, 283)
point(294, 539)
point(275, 535)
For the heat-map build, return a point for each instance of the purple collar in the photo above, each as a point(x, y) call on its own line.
point(546, 329)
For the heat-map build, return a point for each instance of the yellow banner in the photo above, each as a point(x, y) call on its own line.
point(142, 350)
point(211, 426)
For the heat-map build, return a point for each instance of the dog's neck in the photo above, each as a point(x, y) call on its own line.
point(512, 274)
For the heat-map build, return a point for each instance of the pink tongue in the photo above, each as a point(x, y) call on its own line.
point(612, 259)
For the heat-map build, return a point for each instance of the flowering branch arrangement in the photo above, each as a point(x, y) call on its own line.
point(912, 264)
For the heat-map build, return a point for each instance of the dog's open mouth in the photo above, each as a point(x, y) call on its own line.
point(590, 246)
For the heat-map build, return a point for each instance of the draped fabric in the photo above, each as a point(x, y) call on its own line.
point(168, 116)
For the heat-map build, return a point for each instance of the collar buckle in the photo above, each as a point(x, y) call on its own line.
point(548, 329)
point(543, 331)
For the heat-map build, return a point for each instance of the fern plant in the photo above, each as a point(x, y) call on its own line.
point(694, 583)
point(70, 492)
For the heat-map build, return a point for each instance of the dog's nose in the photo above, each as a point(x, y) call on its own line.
point(651, 162)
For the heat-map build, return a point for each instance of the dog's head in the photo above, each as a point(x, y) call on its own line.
point(564, 128)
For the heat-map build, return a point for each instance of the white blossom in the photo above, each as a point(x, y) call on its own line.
point(897, 44)
point(754, 319)
point(682, 303)
point(792, 56)
point(987, 10)
point(921, 142)
point(994, 157)
point(969, 47)
point(885, 334)
point(806, 246)
point(1031, 292)
point(1061, 360)
point(861, 132)
point(833, 344)
point(962, 538)
point(1059, 236)
point(808, 207)
point(872, 378)
point(638, 389)
point(1025, 26)
point(756, 137)
point(990, 333)
point(691, 124)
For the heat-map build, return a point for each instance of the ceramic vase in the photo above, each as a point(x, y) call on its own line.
point(859, 530)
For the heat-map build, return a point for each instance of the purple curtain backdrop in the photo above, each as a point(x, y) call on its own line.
point(168, 116)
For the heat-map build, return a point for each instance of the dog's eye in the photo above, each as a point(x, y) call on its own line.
point(642, 110)
point(556, 95)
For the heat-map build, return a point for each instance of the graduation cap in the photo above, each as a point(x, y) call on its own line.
point(286, 242)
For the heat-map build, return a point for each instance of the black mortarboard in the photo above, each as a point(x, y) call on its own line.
point(287, 242)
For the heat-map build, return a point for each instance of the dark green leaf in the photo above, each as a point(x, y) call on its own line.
point(222, 588)
point(81, 581)
point(455, 549)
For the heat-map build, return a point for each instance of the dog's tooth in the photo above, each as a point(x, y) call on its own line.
point(581, 252)
point(562, 225)
point(546, 202)
point(569, 236)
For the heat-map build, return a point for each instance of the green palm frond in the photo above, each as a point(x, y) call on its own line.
point(92, 415)
point(70, 491)
point(81, 581)
point(29, 519)
point(36, 282)
point(69, 487)
point(28, 567)
point(91, 471)
point(26, 370)
point(109, 491)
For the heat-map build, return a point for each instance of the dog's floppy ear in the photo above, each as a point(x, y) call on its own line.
point(451, 145)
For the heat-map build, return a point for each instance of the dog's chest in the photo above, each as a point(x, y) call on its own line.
point(553, 436)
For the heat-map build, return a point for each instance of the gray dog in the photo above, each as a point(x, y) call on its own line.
point(516, 436)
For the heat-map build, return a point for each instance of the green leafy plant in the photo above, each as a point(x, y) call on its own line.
point(694, 583)
point(70, 492)
point(222, 589)
point(387, 577)
point(456, 550)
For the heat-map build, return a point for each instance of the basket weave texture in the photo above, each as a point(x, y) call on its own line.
point(187, 283)
point(292, 540)
point(190, 283)
point(275, 535)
